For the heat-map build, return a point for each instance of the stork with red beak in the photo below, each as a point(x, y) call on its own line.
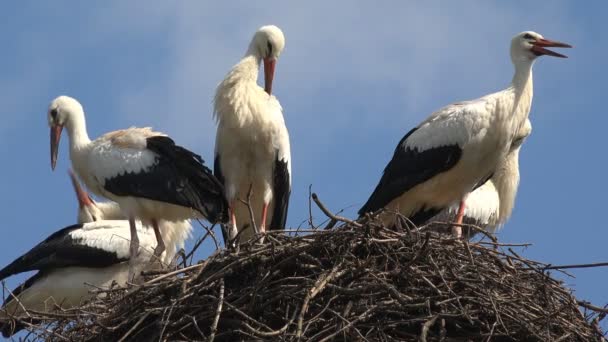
point(459, 147)
point(252, 144)
point(145, 172)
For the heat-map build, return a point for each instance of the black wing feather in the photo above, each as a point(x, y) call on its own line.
point(60, 250)
point(179, 177)
point(281, 190)
point(408, 168)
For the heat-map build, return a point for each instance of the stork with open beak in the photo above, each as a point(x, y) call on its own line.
point(459, 147)
point(252, 144)
point(145, 172)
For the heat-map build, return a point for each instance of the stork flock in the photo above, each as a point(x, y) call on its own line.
point(459, 165)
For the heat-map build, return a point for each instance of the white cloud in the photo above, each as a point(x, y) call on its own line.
point(415, 56)
point(351, 69)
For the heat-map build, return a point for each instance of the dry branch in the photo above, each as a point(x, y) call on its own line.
point(360, 281)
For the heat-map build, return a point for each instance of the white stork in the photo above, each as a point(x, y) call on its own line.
point(75, 260)
point(490, 205)
point(145, 172)
point(252, 143)
point(457, 148)
point(91, 211)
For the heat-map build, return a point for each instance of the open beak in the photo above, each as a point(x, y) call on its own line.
point(81, 195)
point(55, 136)
point(539, 47)
point(269, 64)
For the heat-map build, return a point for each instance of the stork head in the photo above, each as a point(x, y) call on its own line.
point(61, 113)
point(87, 209)
point(523, 133)
point(529, 45)
point(268, 43)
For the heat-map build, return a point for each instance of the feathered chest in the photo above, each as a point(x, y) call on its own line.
point(248, 115)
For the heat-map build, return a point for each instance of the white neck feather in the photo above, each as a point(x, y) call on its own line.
point(236, 86)
point(523, 91)
point(110, 211)
point(77, 130)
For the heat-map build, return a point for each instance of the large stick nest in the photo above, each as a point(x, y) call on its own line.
point(360, 281)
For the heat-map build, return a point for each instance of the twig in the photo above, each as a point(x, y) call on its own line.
point(359, 318)
point(171, 274)
point(368, 282)
point(197, 244)
point(209, 232)
point(310, 222)
point(563, 267)
point(333, 217)
point(426, 326)
point(250, 208)
point(15, 298)
point(275, 332)
point(134, 327)
point(316, 289)
point(198, 329)
point(218, 312)
point(592, 307)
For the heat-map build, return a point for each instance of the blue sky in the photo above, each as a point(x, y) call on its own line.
point(355, 76)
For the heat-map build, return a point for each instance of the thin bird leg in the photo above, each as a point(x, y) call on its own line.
point(264, 214)
point(160, 244)
point(232, 230)
point(133, 249)
point(457, 230)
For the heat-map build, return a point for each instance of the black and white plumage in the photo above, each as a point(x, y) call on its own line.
point(458, 148)
point(252, 143)
point(145, 172)
point(491, 205)
point(94, 253)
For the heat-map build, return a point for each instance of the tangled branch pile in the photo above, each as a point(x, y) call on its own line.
point(355, 282)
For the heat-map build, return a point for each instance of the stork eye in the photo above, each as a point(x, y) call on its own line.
point(54, 113)
point(269, 46)
point(528, 36)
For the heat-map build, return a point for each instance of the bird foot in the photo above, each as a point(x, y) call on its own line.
point(174, 262)
point(135, 270)
point(155, 265)
point(262, 237)
point(155, 258)
point(457, 232)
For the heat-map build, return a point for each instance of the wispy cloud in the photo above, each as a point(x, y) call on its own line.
point(347, 65)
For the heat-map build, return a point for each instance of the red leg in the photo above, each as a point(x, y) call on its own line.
point(457, 230)
point(233, 230)
point(160, 244)
point(264, 214)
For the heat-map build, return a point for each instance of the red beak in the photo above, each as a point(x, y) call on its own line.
point(55, 137)
point(269, 64)
point(81, 195)
point(541, 44)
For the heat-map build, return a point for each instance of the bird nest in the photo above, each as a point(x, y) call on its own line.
point(356, 282)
